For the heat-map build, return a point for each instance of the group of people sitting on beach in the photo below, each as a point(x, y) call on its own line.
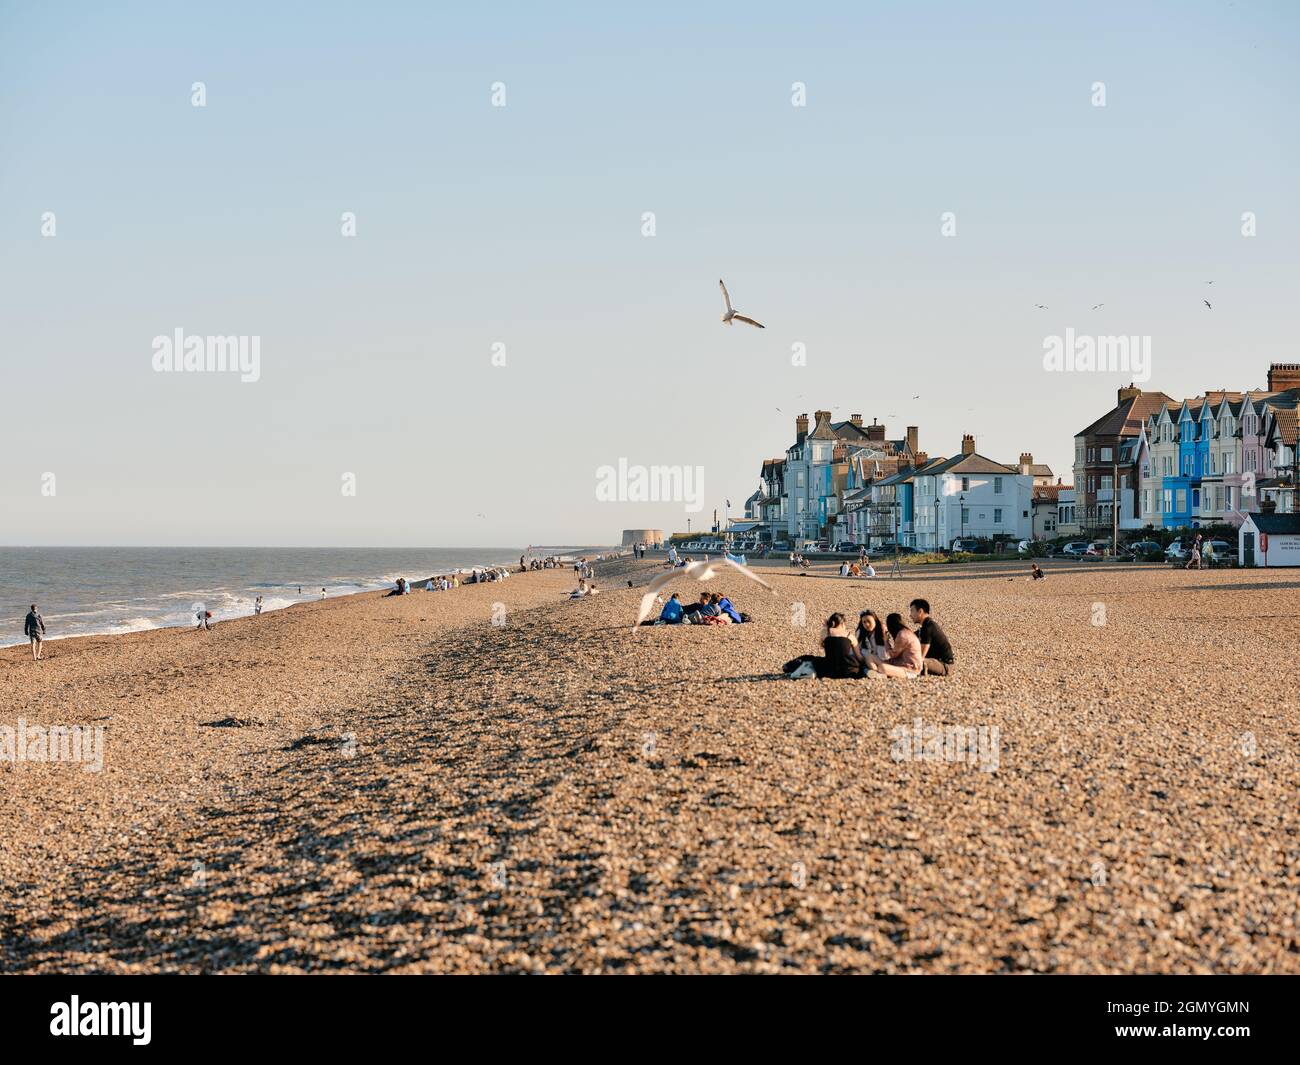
point(857, 569)
point(710, 608)
point(532, 564)
point(585, 588)
point(877, 650)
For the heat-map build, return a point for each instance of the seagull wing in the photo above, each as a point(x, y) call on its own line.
point(652, 592)
point(1207, 303)
point(725, 297)
point(751, 575)
point(749, 321)
point(647, 607)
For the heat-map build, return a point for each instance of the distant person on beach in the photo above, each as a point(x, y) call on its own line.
point(204, 618)
point(1034, 572)
point(870, 570)
point(322, 593)
point(579, 591)
point(936, 651)
point(34, 630)
point(1194, 559)
point(257, 605)
point(840, 661)
point(904, 659)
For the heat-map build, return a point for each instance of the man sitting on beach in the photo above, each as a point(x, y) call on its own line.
point(692, 609)
point(34, 630)
point(936, 651)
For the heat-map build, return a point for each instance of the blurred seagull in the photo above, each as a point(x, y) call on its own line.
point(703, 570)
point(1096, 305)
point(1207, 303)
point(731, 313)
point(1041, 306)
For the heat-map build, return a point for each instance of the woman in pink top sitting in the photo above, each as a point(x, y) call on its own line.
point(904, 659)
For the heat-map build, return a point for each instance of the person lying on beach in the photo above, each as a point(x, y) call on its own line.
point(936, 651)
point(712, 612)
point(871, 635)
point(579, 591)
point(840, 661)
point(904, 659)
point(34, 630)
point(725, 605)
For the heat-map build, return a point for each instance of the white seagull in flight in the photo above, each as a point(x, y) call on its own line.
point(731, 313)
point(701, 571)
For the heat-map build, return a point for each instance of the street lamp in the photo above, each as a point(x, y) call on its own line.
point(936, 521)
point(961, 502)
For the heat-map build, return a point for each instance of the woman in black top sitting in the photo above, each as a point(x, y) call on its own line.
point(841, 659)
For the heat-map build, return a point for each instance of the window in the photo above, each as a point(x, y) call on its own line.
point(997, 485)
point(1167, 500)
point(997, 515)
point(1196, 499)
point(1105, 454)
point(965, 484)
point(1180, 499)
point(1092, 454)
point(1105, 482)
point(965, 515)
point(1229, 462)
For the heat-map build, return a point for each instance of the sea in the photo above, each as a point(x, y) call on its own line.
point(102, 590)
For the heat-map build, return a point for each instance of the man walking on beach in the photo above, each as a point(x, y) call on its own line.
point(34, 630)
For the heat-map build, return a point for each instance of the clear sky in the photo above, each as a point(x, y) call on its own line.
point(522, 225)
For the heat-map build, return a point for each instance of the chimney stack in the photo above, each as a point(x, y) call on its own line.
point(968, 444)
point(1026, 461)
point(800, 428)
point(1125, 394)
point(1283, 375)
point(855, 419)
point(840, 452)
point(823, 418)
point(913, 440)
point(876, 432)
point(920, 458)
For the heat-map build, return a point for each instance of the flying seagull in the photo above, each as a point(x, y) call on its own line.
point(1041, 306)
point(703, 570)
point(731, 313)
point(1096, 305)
point(1207, 303)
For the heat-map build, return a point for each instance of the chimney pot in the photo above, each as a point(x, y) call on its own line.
point(967, 444)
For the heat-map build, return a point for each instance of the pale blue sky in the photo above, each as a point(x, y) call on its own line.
point(523, 225)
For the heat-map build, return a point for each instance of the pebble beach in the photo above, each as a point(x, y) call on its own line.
point(500, 779)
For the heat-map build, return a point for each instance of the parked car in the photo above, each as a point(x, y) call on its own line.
point(1098, 549)
point(845, 546)
point(1024, 547)
point(1075, 549)
point(1177, 551)
point(1145, 549)
point(972, 544)
point(1218, 553)
point(885, 550)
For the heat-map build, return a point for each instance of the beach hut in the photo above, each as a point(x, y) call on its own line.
point(1269, 540)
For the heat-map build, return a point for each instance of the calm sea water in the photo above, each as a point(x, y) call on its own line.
point(84, 590)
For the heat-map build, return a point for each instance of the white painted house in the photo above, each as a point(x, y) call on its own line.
point(973, 496)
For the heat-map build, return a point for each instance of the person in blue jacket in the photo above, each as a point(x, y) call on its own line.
point(672, 611)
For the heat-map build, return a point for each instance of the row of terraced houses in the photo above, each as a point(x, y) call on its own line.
point(1168, 463)
point(847, 482)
